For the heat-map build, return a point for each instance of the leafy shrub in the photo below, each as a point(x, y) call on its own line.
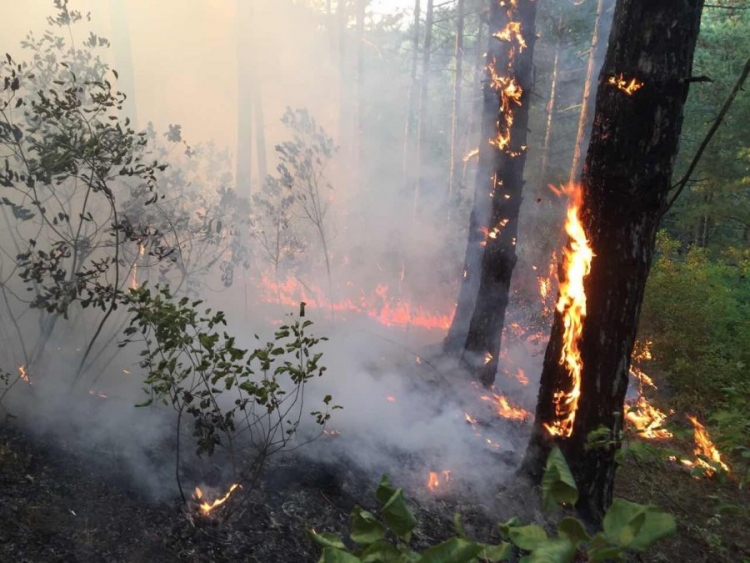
point(249, 402)
point(384, 538)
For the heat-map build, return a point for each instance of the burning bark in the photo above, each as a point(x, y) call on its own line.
point(491, 250)
point(626, 183)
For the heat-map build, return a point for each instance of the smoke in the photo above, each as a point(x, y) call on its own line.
point(400, 415)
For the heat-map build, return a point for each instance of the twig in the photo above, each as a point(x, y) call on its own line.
point(680, 186)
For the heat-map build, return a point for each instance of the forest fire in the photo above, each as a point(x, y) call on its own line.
point(380, 306)
point(647, 419)
point(207, 507)
point(437, 481)
point(571, 304)
point(704, 448)
point(512, 32)
point(504, 409)
point(628, 86)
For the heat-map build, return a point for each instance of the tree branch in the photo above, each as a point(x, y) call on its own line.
point(680, 186)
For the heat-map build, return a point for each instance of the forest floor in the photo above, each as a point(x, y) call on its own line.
point(58, 505)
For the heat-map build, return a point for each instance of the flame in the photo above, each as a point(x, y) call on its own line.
point(647, 420)
point(134, 280)
point(705, 448)
point(381, 307)
point(504, 409)
point(207, 507)
point(470, 419)
point(521, 377)
point(571, 304)
point(433, 481)
point(628, 86)
point(641, 353)
point(23, 375)
point(512, 32)
point(471, 154)
point(487, 358)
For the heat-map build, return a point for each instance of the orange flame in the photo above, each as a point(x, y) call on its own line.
point(571, 304)
point(207, 507)
point(512, 32)
point(504, 409)
point(471, 154)
point(705, 448)
point(23, 375)
point(647, 420)
point(433, 481)
point(628, 86)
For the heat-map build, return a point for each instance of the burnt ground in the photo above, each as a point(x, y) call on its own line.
point(57, 504)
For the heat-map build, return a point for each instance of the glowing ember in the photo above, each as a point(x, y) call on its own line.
point(705, 448)
point(487, 358)
point(23, 375)
point(521, 377)
point(95, 393)
point(134, 280)
point(470, 419)
point(471, 154)
point(504, 409)
point(628, 86)
point(207, 507)
point(391, 399)
point(434, 479)
point(647, 420)
point(571, 304)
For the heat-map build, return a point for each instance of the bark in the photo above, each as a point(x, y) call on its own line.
point(596, 55)
point(124, 57)
point(244, 168)
point(457, 87)
point(626, 181)
point(424, 89)
point(505, 183)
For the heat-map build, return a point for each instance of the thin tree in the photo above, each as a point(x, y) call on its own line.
point(424, 90)
point(596, 55)
point(560, 34)
point(413, 87)
point(511, 75)
point(625, 190)
point(244, 168)
point(124, 57)
point(457, 87)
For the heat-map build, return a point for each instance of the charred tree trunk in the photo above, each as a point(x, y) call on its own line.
point(598, 47)
point(512, 78)
point(625, 185)
point(424, 89)
point(479, 218)
point(457, 87)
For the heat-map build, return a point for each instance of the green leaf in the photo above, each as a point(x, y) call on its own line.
point(385, 489)
point(333, 555)
point(326, 539)
point(495, 553)
point(558, 550)
point(558, 485)
point(527, 537)
point(398, 517)
point(380, 552)
point(454, 550)
point(458, 526)
point(573, 529)
point(366, 529)
point(658, 525)
point(623, 521)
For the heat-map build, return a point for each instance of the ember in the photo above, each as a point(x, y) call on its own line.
point(207, 507)
point(628, 86)
point(434, 480)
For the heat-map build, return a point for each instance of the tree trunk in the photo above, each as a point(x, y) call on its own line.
point(474, 128)
point(359, 88)
point(512, 59)
point(457, 86)
point(409, 125)
point(260, 133)
point(244, 168)
point(423, 94)
point(596, 55)
point(552, 105)
point(625, 186)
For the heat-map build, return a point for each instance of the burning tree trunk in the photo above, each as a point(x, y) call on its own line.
point(598, 47)
point(423, 92)
point(457, 84)
point(625, 185)
point(509, 64)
